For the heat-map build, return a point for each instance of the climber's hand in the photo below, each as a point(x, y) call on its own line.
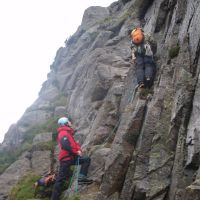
point(79, 153)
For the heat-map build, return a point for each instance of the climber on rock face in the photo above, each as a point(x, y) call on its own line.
point(70, 154)
point(143, 49)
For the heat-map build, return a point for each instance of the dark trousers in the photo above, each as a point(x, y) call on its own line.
point(145, 68)
point(64, 172)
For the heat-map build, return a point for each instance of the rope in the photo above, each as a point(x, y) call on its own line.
point(75, 177)
point(114, 129)
point(130, 99)
point(71, 180)
point(76, 170)
point(133, 94)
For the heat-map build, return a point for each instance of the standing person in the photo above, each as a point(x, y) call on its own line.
point(70, 152)
point(143, 49)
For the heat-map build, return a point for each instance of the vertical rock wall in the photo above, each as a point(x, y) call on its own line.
point(142, 149)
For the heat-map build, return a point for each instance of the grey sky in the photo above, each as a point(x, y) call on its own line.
point(31, 33)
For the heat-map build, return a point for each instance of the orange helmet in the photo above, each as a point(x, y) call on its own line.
point(137, 35)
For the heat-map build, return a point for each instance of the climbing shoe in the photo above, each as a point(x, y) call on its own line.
point(140, 85)
point(148, 82)
point(84, 180)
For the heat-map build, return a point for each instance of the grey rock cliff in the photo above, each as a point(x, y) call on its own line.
point(149, 148)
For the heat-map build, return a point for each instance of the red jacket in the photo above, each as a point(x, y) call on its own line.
point(68, 146)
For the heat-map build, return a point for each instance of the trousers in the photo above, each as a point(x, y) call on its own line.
point(64, 173)
point(145, 69)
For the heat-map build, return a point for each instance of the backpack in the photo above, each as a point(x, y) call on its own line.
point(46, 180)
point(137, 36)
point(44, 186)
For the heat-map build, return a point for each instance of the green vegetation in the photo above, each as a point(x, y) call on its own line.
point(49, 126)
point(24, 189)
point(71, 198)
point(144, 92)
point(174, 51)
point(74, 198)
point(105, 21)
point(109, 20)
point(9, 156)
point(93, 35)
point(44, 146)
point(6, 158)
point(61, 101)
point(128, 13)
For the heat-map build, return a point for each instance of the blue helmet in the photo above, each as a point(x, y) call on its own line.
point(63, 121)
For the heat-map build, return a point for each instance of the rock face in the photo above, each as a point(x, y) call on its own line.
point(141, 149)
point(37, 161)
